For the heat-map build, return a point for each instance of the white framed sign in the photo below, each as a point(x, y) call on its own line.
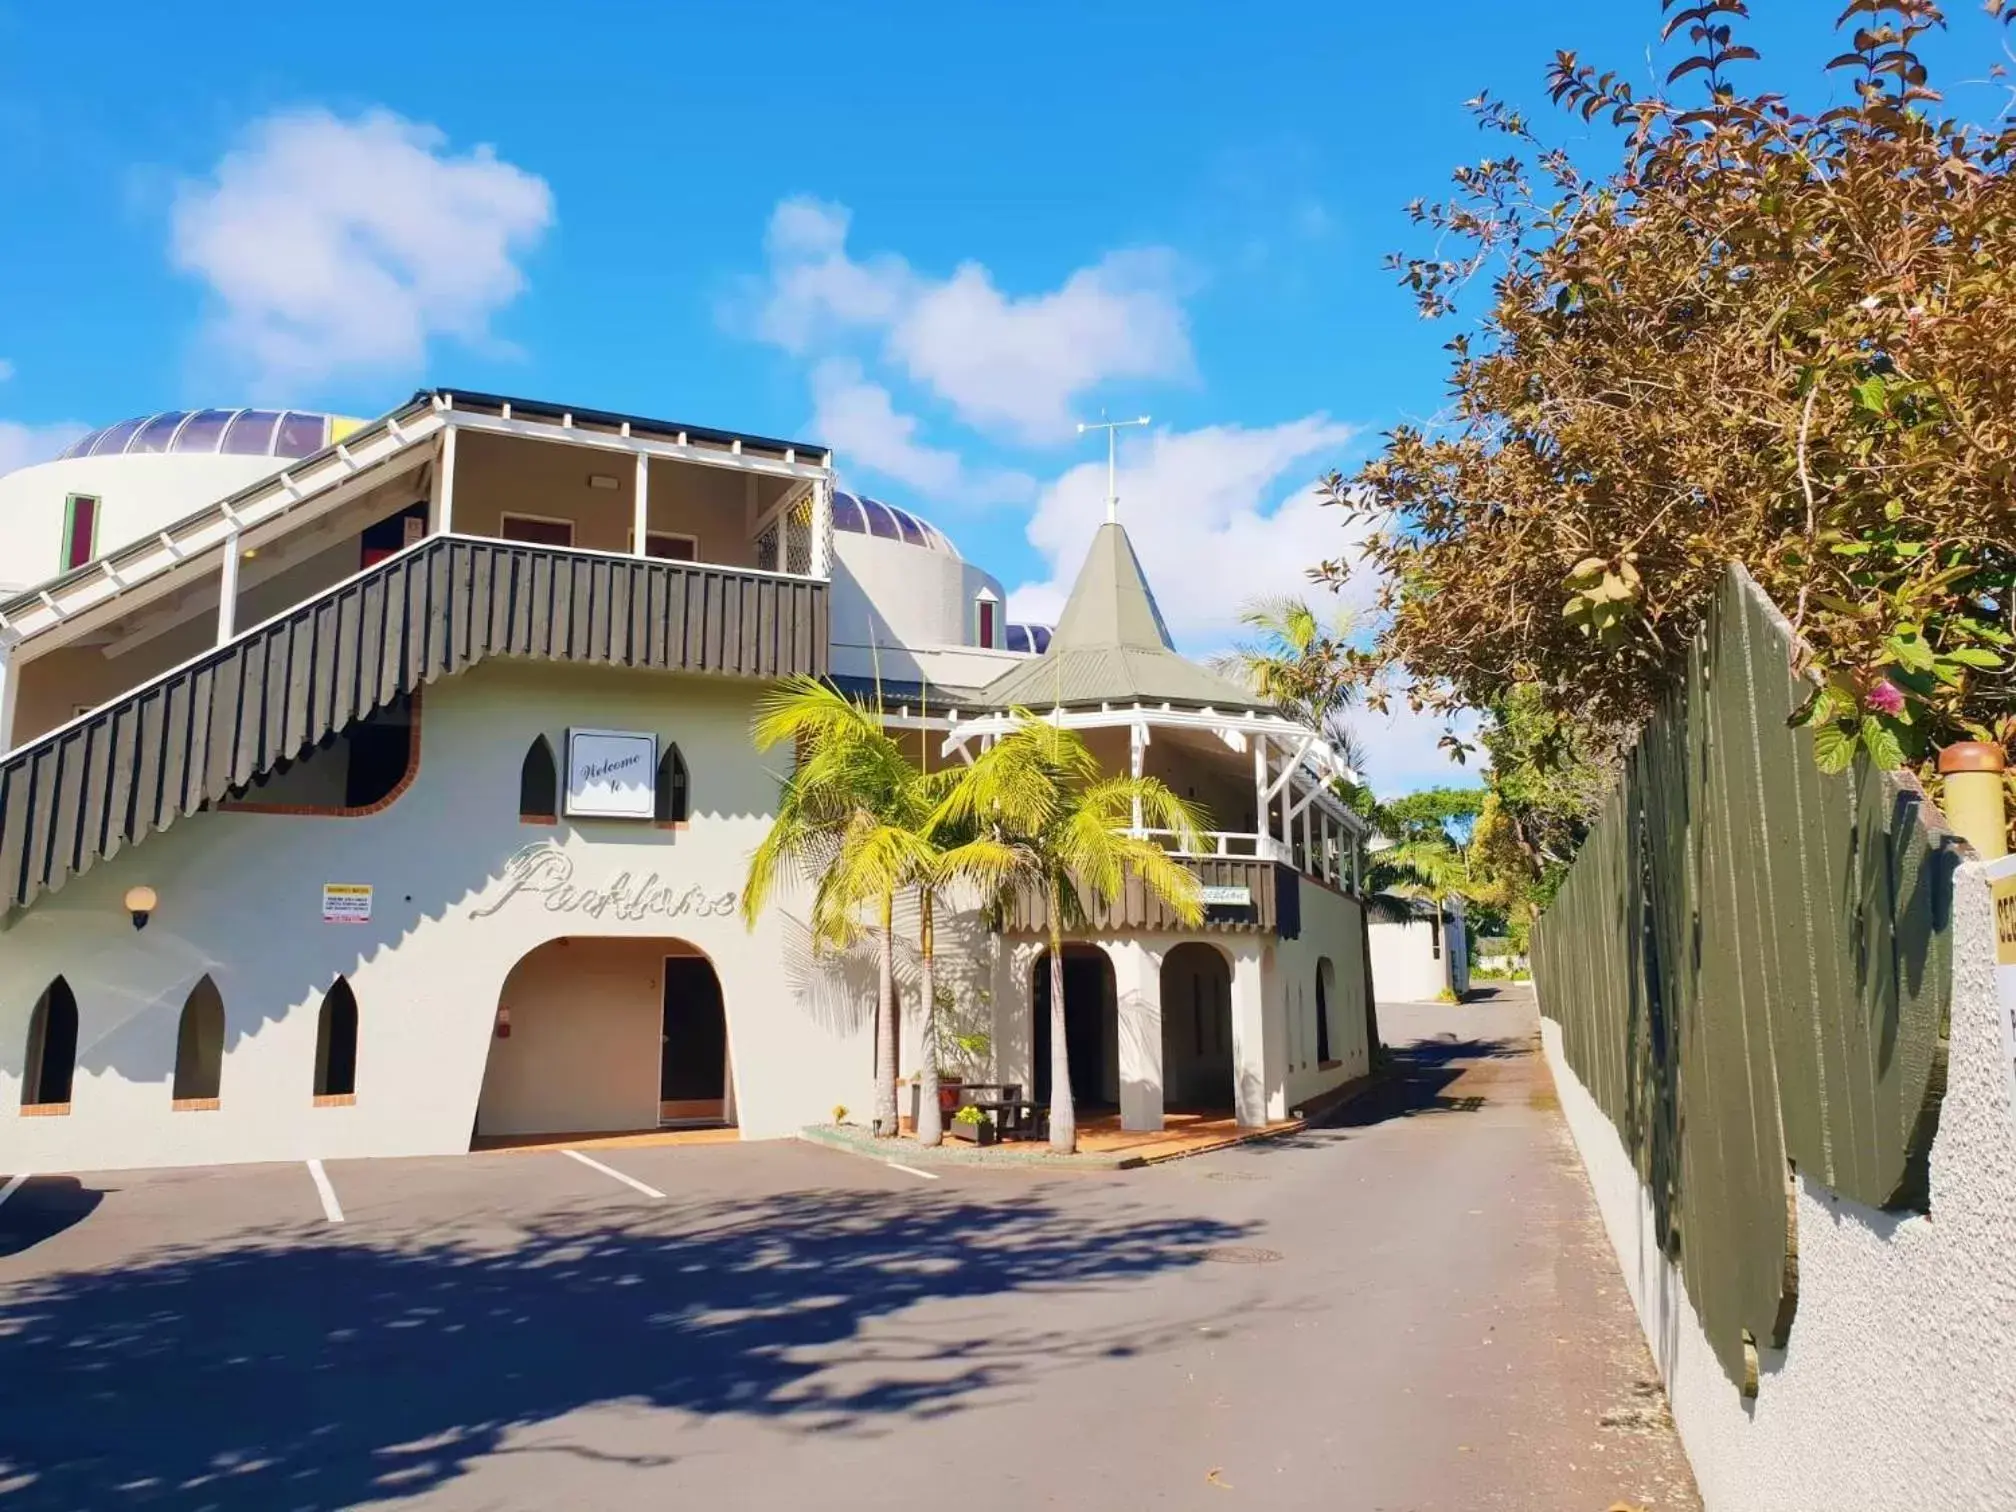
point(1225, 897)
point(611, 774)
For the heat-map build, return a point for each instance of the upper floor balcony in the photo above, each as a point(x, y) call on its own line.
point(574, 487)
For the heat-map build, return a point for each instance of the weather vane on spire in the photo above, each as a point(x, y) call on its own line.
point(1112, 429)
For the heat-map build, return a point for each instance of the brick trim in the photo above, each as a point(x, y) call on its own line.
point(45, 1110)
point(195, 1104)
point(314, 811)
point(336, 1099)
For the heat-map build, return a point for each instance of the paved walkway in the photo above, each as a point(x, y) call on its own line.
point(1412, 1310)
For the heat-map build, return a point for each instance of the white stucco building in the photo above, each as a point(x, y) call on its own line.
point(394, 791)
point(1420, 950)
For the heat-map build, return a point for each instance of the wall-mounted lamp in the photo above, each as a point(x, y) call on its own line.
point(140, 902)
point(602, 480)
point(503, 1021)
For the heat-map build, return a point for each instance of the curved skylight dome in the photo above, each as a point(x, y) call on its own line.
point(1034, 639)
point(860, 515)
point(287, 434)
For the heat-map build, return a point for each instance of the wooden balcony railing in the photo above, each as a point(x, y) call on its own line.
point(195, 734)
point(1252, 895)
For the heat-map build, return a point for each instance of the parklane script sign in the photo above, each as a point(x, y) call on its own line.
point(542, 875)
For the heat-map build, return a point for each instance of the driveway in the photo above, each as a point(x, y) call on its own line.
point(1412, 1309)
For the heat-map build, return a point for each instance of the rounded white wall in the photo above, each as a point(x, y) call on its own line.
point(893, 593)
point(137, 495)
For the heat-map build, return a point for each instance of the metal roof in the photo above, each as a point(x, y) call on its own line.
point(289, 434)
point(857, 514)
point(546, 409)
point(1111, 645)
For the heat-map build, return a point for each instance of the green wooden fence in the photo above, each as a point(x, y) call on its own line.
point(1751, 965)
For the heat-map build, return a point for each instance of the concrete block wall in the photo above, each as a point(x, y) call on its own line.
point(1897, 1388)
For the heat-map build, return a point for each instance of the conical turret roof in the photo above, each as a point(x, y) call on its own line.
point(1111, 645)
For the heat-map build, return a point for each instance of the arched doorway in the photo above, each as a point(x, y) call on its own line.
point(1197, 1029)
point(1091, 1028)
point(606, 1035)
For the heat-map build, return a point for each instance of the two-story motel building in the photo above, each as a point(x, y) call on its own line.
point(374, 788)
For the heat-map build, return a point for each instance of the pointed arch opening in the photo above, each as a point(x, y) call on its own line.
point(199, 1049)
point(1326, 991)
point(51, 1064)
point(672, 798)
point(539, 784)
point(336, 1047)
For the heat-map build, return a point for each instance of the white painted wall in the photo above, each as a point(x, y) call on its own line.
point(1330, 931)
point(137, 495)
point(891, 594)
point(1404, 964)
point(1897, 1389)
point(1274, 1067)
point(240, 898)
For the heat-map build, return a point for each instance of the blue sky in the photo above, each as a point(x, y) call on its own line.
point(925, 235)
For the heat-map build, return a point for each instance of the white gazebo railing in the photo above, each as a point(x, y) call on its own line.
point(1219, 843)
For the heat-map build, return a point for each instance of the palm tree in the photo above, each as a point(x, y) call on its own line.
point(1046, 818)
point(854, 814)
point(929, 873)
point(1299, 660)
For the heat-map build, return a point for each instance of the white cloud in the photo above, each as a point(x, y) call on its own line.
point(815, 290)
point(336, 245)
point(1008, 365)
point(1219, 517)
point(1014, 366)
point(859, 420)
point(24, 445)
point(1402, 754)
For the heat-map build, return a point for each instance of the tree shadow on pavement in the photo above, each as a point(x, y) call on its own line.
point(318, 1368)
point(51, 1205)
point(1417, 1079)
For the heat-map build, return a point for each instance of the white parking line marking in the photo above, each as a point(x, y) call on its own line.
point(629, 1181)
point(331, 1208)
point(897, 1165)
point(14, 1185)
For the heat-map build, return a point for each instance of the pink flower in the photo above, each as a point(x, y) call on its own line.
point(1885, 698)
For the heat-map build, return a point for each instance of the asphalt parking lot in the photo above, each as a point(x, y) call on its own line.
point(1412, 1309)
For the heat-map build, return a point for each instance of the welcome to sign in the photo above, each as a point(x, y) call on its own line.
point(611, 774)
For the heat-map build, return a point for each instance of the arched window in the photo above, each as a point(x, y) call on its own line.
point(51, 1065)
point(1322, 1012)
point(539, 784)
point(336, 1045)
point(199, 1047)
point(672, 798)
point(986, 611)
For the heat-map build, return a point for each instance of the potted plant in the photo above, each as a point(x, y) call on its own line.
point(972, 1124)
point(971, 1050)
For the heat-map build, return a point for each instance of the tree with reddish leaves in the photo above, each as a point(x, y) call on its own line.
point(1777, 337)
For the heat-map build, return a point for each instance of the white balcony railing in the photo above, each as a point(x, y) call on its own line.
point(1221, 843)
